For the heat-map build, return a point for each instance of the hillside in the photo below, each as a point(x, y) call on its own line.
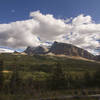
point(29, 63)
point(43, 76)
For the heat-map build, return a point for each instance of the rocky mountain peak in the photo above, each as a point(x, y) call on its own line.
point(59, 48)
point(70, 50)
point(36, 50)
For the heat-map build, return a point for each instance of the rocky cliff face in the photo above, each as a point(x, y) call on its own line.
point(61, 49)
point(98, 57)
point(70, 50)
point(36, 50)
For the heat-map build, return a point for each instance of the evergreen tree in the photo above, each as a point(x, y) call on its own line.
point(15, 82)
point(58, 77)
point(96, 78)
point(1, 75)
point(87, 79)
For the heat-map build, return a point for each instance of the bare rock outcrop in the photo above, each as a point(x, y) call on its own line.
point(36, 50)
point(59, 48)
point(70, 50)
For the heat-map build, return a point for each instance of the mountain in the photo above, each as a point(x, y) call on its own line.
point(4, 50)
point(59, 48)
point(70, 50)
point(36, 50)
point(98, 57)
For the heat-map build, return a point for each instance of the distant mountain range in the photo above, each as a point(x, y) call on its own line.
point(59, 48)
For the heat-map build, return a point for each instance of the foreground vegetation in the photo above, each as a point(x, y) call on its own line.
point(24, 77)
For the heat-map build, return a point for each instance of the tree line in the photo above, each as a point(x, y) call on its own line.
point(57, 80)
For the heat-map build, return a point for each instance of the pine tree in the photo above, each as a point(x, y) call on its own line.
point(15, 82)
point(1, 75)
point(87, 79)
point(58, 77)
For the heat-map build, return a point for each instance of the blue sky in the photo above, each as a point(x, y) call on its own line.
point(25, 22)
point(12, 10)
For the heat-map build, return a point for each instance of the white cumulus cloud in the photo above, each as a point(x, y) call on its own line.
point(81, 31)
point(2, 50)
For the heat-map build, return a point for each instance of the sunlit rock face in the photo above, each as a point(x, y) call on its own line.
point(59, 48)
point(70, 50)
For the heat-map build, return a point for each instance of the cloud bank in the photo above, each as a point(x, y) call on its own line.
point(81, 31)
point(2, 50)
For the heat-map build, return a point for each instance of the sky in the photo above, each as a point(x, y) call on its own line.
point(12, 10)
point(34, 22)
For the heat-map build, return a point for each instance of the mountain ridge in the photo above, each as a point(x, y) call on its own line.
point(58, 48)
